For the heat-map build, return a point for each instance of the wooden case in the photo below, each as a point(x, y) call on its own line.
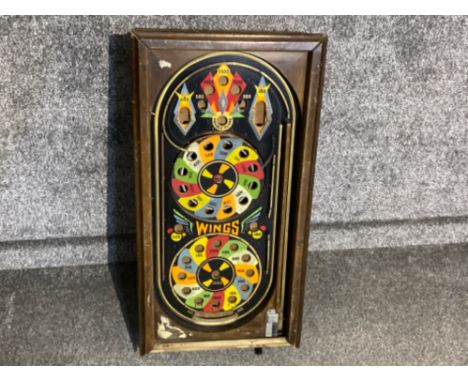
point(299, 59)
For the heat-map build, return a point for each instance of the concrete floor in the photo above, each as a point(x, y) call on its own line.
point(405, 306)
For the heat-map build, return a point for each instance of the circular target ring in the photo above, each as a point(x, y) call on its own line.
point(215, 273)
point(217, 177)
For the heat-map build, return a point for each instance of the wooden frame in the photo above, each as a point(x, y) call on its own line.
point(301, 59)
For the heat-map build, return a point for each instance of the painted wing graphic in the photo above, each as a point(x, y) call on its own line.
point(252, 217)
point(181, 219)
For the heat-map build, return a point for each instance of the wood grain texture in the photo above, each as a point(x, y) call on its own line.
point(300, 59)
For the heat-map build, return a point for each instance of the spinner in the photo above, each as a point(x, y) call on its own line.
point(221, 140)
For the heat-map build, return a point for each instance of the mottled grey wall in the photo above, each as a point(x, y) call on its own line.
point(393, 146)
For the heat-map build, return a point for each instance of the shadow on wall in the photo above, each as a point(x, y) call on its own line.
point(120, 182)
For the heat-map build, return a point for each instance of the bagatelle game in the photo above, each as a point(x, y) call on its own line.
point(217, 146)
point(221, 120)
